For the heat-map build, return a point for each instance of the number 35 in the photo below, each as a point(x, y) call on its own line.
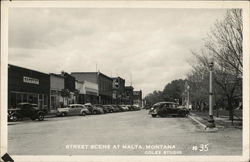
point(203, 147)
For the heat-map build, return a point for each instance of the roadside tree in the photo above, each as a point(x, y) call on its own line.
point(224, 46)
point(173, 91)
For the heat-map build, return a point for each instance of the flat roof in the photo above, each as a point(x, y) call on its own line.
point(92, 73)
point(10, 65)
point(58, 75)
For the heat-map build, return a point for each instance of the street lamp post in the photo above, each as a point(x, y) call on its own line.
point(188, 96)
point(211, 118)
point(187, 87)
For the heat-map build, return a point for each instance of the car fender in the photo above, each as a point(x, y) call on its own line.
point(15, 113)
point(84, 110)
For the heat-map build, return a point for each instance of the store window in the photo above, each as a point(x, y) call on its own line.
point(45, 100)
point(18, 98)
point(53, 102)
point(40, 101)
point(25, 98)
point(13, 100)
point(35, 98)
point(32, 98)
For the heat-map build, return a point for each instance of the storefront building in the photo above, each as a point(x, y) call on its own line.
point(105, 89)
point(80, 92)
point(56, 87)
point(137, 98)
point(91, 92)
point(129, 95)
point(70, 88)
point(118, 90)
point(104, 84)
point(25, 85)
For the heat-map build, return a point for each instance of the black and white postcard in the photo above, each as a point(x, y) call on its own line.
point(124, 81)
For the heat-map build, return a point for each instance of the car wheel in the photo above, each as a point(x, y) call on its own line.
point(95, 112)
point(14, 118)
point(33, 118)
point(41, 117)
point(63, 114)
point(111, 111)
point(83, 113)
point(182, 114)
point(154, 115)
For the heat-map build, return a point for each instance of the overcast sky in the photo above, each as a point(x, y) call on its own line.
point(151, 46)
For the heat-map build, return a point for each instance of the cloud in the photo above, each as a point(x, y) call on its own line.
point(149, 45)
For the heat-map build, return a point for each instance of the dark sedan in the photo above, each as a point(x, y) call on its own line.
point(163, 109)
point(26, 110)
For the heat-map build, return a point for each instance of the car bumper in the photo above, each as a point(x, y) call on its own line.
point(152, 112)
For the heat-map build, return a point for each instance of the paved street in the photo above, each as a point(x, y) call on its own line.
point(127, 133)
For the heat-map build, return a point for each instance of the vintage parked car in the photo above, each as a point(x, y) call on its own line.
point(120, 108)
point(125, 107)
point(167, 108)
point(73, 109)
point(94, 109)
point(109, 108)
point(130, 107)
point(26, 110)
point(105, 109)
point(116, 108)
point(135, 108)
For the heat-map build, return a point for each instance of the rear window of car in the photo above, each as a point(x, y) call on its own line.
point(170, 105)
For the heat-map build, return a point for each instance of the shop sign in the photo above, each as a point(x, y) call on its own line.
point(115, 84)
point(30, 80)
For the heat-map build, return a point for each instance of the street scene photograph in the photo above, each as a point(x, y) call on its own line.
point(125, 81)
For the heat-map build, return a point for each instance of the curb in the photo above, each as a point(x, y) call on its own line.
point(204, 127)
point(198, 122)
point(50, 116)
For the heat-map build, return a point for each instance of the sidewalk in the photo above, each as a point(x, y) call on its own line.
point(221, 122)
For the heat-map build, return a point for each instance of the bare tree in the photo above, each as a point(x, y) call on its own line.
point(224, 42)
point(224, 45)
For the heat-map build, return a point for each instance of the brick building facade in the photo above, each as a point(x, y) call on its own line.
point(104, 84)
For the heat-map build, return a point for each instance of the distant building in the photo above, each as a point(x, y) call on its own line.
point(80, 91)
point(128, 95)
point(69, 85)
point(118, 90)
point(56, 87)
point(90, 92)
point(104, 84)
point(25, 85)
point(137, 98)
